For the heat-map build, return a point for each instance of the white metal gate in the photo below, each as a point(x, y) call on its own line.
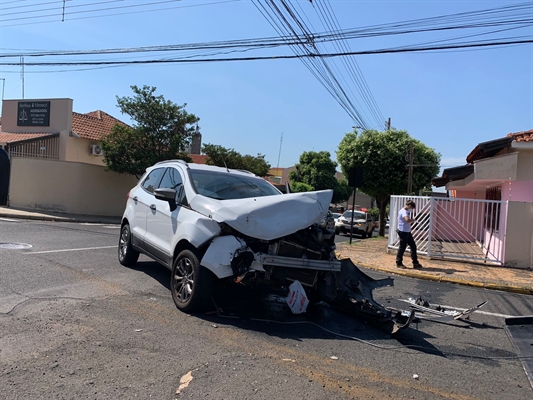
point(450, 228)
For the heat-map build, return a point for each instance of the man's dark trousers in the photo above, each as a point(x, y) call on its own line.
point(406, 239)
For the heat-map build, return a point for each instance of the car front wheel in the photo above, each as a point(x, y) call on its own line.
point(191, 284)
point(127, 255)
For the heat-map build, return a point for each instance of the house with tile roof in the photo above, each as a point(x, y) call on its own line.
point(56, 162)
point(56, 133)
point(51, 159)
point(499, 171)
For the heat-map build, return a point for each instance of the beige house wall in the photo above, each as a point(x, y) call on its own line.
point(501, 167)
point(519, 235)
point(68, 187)
point(525, 166)
point(79, 150)
point(60, 116)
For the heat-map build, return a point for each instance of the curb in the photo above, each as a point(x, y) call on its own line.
point(436, 278)
point(52, 218)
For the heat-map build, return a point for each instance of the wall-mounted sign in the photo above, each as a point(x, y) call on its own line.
point(33, 113)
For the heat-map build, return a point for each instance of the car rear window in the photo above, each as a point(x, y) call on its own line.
point(226, 186)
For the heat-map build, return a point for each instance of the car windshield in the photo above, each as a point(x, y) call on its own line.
point(226, 186)
point(357, 215)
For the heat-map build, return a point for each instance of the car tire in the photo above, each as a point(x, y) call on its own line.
point(363, 235)
point(191, 284)
point(127, 255)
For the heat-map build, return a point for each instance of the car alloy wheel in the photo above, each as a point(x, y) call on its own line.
point(127, 255)
point(191, 283)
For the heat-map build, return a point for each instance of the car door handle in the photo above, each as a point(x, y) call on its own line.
point(135, 199)
point(153, 207)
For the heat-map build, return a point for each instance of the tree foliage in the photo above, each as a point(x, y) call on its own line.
point(297, 187)
point(223, 157)
point(317, 170)
point(341, 191)
point(382, 155)
point(161, 131)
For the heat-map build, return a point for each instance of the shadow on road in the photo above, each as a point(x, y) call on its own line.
point(263, 309)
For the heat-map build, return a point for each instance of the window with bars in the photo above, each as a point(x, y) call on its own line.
point(492, 210)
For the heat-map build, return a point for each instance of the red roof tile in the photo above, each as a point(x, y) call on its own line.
point(198, 158)
point(93, 125)
point(525, 136)
point(11, 137)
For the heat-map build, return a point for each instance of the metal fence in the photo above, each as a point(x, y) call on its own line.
point(41, 148)
point(450, 228)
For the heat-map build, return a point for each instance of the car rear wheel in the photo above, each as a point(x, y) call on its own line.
point(191, 284)
point(127, 255)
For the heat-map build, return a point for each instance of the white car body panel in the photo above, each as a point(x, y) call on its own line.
point(218, 256)
point(268, 217)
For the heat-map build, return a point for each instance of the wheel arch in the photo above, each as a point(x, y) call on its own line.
point(184, 244)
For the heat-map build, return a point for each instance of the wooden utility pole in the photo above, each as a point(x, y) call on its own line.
point(388, 124)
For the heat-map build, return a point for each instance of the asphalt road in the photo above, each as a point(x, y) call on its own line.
point(74, 323)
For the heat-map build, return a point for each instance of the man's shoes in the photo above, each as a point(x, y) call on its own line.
point(400, 265)
point(417, 266)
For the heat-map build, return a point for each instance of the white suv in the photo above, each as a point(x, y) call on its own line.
point(363, 224)
point(206, 223)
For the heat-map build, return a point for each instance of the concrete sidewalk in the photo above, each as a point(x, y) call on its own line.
point(368, 253)
point(9, 212)
point(374, 254)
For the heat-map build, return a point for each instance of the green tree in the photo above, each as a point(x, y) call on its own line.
point(161, 131)
point(317, 170)
point(341, 191)
point(382, 155)
point(297, 187)
point(223, 157)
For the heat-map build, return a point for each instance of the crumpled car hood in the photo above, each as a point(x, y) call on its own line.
point(267, 217)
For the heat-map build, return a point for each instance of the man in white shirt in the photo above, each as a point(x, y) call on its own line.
point(404, 233)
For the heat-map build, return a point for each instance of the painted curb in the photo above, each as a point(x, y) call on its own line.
point(438, 278)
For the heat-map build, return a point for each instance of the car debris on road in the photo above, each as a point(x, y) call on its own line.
point(426, 310)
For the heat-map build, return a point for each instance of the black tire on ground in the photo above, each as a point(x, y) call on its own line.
point(363, 235)
point(127, 255)
point(191, 284)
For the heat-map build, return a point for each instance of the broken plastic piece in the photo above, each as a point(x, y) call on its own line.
point(297, 298)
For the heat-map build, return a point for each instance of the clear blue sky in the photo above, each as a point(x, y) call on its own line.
point(449, 100)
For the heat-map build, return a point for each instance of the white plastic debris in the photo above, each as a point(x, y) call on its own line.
point(415, 376)
point(297, 299)
point(334, 357)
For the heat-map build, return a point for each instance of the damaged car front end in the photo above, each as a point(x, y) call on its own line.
point(233, 226)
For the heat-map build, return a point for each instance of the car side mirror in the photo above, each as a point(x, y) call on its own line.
point(167, 194)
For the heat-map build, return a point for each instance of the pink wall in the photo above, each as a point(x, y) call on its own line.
point(517, 190)
point(463, 194)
